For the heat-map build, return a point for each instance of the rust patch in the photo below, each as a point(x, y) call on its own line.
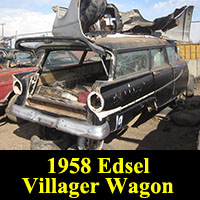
point(55, 108)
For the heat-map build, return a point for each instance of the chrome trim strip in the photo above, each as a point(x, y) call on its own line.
point(104, 114)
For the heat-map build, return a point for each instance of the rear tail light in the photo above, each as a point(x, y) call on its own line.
point(82, 97)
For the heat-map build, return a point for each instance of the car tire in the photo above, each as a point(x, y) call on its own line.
point(198, 142)
point(47, 133)
point(9, 114)
point(51, 139)
point(190, 87)
point(106, 147)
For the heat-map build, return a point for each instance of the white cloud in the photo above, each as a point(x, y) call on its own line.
point(195, 33)
point(169, 5)
point(160, 5)
point(175, 3)
point(25, 21)
point(166, 7)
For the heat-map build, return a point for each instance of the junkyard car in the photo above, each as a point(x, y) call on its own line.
point(22, 59)
point(13, 63)
point(3, 60)
point(91, 89)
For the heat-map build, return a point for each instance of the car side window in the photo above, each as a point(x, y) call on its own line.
point(132, 62)
point(172, 54)
point(94, 57)
point(158, 57)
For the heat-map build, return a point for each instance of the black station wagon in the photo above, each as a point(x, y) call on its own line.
point(91, 88)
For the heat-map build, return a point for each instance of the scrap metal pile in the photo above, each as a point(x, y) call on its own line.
point(98, 17)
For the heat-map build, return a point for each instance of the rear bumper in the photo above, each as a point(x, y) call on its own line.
point(72, 126)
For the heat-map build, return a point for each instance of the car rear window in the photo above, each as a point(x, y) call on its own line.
point(132, 62)
point(62, 58)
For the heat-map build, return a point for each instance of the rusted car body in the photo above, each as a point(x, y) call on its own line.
point(90, 89)
point(100, 17)
point(13, 62)
point(3, 60)
point(6, 83)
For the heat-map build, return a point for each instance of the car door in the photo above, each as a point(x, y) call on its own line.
point(180, 71)
point(131, 90)
point(163, 76)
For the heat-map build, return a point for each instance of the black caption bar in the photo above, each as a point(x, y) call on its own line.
point(99, 175)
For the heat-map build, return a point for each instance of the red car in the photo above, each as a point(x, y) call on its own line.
point(18, 64)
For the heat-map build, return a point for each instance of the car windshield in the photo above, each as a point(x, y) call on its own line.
point(62, 58)
point(24, 57)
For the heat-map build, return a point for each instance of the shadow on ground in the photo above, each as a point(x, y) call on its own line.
point(27, 130)
point(167, 135)
point(3, 118)
point(181, 133)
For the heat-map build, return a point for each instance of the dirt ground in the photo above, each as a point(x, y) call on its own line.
point(158, 133)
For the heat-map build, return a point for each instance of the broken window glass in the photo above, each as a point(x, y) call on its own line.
point(172, 54)
point(158, 58)
point(132, 62)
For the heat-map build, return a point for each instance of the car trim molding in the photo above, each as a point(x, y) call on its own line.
point(104, 114)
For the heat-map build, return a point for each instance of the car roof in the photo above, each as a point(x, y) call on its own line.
point(126, 42)
point(111, 42)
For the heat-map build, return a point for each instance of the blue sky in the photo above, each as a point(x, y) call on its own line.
point(32, 14)
point(149, 8)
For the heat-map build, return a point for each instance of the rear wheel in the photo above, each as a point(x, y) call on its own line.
point(198, 142)
point(51, 139)
point(89, 144)
point(190, 87)
point(47, 133)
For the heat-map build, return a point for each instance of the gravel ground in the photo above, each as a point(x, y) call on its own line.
point(158, 133)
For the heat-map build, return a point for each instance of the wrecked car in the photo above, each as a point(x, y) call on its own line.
point(90, 89)
point(13, 62)
point(101, 17)
point(3, 60)
point(92, 79)
point(16, 59)
point(21, 59)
